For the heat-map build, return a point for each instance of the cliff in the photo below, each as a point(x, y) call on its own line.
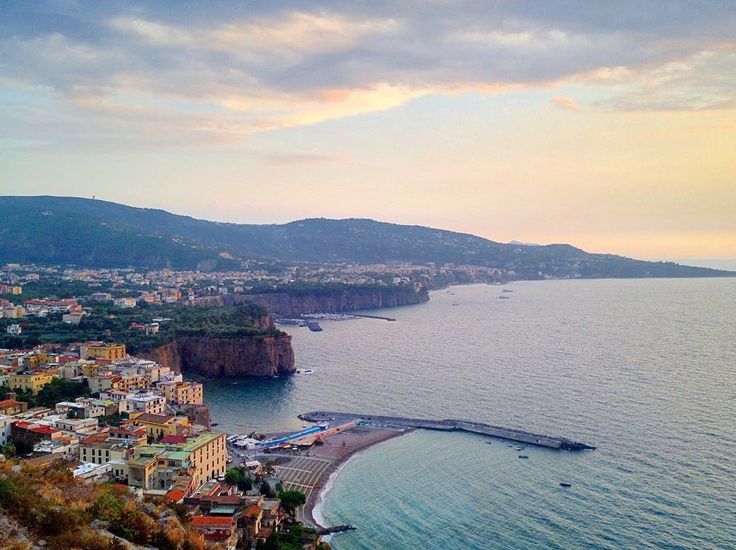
point(339, 300)
point(227, 357)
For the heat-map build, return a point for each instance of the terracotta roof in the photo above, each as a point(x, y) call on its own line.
point(95, 438)
point(252, 511)
point(6, 403)
point(37, 428)
point(175, 495)
point(212, 521)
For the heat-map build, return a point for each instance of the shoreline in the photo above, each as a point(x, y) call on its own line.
point(314, 505)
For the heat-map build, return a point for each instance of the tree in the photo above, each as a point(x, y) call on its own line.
point(9, 449)
point(291, 500)
point(239, 477)
point(266, 491)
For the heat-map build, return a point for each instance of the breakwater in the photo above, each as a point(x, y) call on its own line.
point(449, 424)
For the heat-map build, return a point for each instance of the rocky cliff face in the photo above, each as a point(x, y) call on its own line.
point(333, 301)
point(228, 357)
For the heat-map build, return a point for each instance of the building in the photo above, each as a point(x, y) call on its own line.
point(32, 381)
point(11, 406)
point(183, 393)
point(158, 425)
point(72, 318)
point(131, 435)
point(13, 330)
point(156, 467)
point(149, 403)
point(125, 302)
point(219, 530)
point(111, 352)
point(100, 449)
point(6, 423)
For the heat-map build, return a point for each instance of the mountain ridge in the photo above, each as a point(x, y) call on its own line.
point(97, 233)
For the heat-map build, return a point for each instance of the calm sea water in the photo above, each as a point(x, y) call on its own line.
point(643, 369)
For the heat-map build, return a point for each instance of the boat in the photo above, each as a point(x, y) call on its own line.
point(507, 290)
point(304, 371)
point(565, 484)
point(503, 297)
point(523, 456)
point(488, 442)
point(314, 326)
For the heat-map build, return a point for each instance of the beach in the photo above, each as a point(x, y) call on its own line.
point(340, 448)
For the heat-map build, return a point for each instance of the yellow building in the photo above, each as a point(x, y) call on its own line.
point(32, 381)
point(131, 382)
point(92, 369)
point(183, 393)
point(111, 352)
point(208, 456)
point(158, 466)
point(159, 425)
point(36, 360)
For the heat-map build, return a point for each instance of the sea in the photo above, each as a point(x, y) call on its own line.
point(645, 370)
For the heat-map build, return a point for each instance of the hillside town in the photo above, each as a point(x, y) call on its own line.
point(115, 419)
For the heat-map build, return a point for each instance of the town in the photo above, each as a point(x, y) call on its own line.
point(115, 419)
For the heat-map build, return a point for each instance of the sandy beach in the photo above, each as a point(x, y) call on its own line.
point(339, 448)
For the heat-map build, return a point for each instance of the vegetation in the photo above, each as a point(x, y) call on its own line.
point(293, 539)
point(291, 500)
point(112, 324)
point(240, 477)
point(56, 230)
point(53, 392)
point(51, 504)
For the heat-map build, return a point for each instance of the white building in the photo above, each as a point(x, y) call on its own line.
point(125, 302)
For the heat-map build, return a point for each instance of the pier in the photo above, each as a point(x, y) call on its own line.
point(449, 425)
point(373, 317)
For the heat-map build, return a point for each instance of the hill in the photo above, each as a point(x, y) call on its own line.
point(95, 233)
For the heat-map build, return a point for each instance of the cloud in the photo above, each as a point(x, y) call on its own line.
point(193, 74)
point(562, 102)
point(301, 158)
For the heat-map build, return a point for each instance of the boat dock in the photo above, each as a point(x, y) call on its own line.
point(373, 317)
point(449, 425)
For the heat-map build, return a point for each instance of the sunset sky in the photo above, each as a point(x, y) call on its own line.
point(607, 125)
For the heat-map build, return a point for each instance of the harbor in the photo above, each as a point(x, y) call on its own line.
point(396, 422)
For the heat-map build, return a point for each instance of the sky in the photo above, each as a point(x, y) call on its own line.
point(607, 125)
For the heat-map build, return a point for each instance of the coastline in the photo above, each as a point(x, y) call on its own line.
point(314, 505)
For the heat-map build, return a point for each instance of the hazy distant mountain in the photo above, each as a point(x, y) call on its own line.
point(95, 233)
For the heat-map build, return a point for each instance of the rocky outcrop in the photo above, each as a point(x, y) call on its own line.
point(213, 357)
point(332, 300)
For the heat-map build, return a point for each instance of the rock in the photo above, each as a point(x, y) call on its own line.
point(260, 355)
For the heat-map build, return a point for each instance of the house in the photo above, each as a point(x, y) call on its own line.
point(125, 302)
point(217, 530)
point(31, 381)
point(71, 318)
point(13, 330)
point(6, 423)
point(102, 351)
point(183, 393)
point(159, 425)
point(11, 406)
